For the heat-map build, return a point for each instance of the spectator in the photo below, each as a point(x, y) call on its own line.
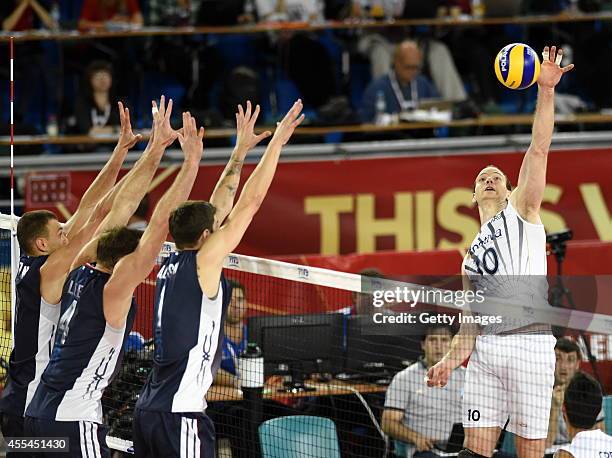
point(402, 87)
point(362, 302)
point(18, 15)
point(173, 12)
point(438, 63)
point(417, 414)
point(288, 10)
point(304, 58)
point(139, 219)
point(36, 78)
point(96, 14)
point(234, 338)
point(568, 364)
point(95, 110)
point(581, 403)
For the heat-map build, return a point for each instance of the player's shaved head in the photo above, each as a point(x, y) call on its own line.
point(407, 61)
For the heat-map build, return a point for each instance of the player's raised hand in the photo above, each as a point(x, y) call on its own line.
point(550, 70)
point(164, 135)
point(245, 125)
point(438, 374)
point(191, 138)
point(127, 139)
point(286, 127)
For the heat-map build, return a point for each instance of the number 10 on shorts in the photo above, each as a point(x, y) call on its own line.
point(473, 415)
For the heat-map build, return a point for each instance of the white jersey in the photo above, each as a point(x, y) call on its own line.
point(590, 444)
point(507, 260)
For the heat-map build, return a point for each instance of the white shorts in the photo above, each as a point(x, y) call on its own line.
point(510, 376)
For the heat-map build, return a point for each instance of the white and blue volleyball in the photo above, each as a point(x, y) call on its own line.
point(517, 66)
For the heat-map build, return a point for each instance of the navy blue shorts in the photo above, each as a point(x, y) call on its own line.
point(180, 435)
point(86, 439)
point(11, 426)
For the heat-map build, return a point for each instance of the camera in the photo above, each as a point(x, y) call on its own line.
point(559, 237)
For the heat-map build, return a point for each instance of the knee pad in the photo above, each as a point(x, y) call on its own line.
point(467, 453)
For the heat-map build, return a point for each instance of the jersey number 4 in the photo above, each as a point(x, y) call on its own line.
point(64, 324)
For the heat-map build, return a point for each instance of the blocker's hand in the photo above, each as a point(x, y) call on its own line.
point(163, 134)
point(245, 125)
point(127, 139)
point(285, 128)
point(550, 70)
point(191, 138)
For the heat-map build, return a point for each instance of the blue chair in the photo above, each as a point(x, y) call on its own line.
point(299, 436)
point(508, 446)
point(607, 407)
point(399, 448)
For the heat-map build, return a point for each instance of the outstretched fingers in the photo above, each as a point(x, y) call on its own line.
point(262, 136)
point(298, 121)
point(567, 68)
point(168, 111)
point(253, 119)
point(247, 115)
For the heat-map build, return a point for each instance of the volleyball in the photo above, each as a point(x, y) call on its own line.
point(517, 66)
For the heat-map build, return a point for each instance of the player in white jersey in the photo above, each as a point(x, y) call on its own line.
point(510, 374)
point(581, 405)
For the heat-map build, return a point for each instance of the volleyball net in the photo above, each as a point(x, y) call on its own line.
point(341, 358)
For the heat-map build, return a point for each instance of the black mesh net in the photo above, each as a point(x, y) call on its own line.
point(311, 367)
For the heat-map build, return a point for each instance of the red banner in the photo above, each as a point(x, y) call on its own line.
point(402, 203)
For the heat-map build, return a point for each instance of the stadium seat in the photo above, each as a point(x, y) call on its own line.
point(508, 447)
point(607, 405)
point(399, 448)
point(298, 436)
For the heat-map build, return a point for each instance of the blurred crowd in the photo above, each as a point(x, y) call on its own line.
point(345, 76)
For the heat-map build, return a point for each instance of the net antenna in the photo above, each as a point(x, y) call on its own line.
point(13, 219)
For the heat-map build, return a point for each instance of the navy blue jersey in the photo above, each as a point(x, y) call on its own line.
point(188, 330)
point(86, 353)
point(35, 324)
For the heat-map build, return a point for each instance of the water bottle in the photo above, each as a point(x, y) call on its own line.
point(52, 126)
point(251, 367)
point(381, 108)
point(55, 13)
point(477, 9)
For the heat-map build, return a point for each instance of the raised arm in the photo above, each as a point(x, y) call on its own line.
point(223, 196)
point(461, 347)
point(11, 21)
point(128, 193)
point(220, 243)
point(43, 15)
point(107, 176)
point(135, 267)
point(527, 197)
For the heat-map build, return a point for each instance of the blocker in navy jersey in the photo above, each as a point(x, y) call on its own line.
point(35, 325)
point(86, 354)
point(188, 329)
